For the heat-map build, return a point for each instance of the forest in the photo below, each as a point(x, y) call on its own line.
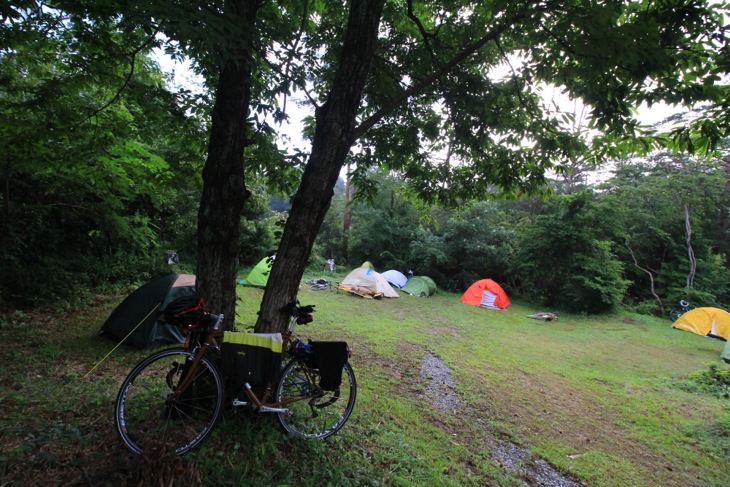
point(625, 242)
point(652, 232)
point(104, 173)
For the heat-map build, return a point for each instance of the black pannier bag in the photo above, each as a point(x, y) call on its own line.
point(329, 358)
point(253, 358)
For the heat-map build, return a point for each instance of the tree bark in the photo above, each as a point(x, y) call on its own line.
point(722, 217)
point(334, 135)
point(224, 188)
point(346, 218)
point(690, 250)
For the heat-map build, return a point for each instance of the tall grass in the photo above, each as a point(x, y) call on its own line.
point(607, 401)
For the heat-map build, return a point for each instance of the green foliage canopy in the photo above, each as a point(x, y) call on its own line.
point(90, 146)
point(470, 119)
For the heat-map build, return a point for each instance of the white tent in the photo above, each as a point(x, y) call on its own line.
point(367, 281)
point(395, 278)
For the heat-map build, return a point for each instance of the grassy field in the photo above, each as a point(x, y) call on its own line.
point(448, 394)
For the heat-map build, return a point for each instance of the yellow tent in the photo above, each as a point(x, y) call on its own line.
point(713, 322)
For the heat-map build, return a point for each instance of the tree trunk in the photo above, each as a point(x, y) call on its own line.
point(346, 218)
point(332, 141)
point(224, 186)
point(690, 251)
point(722, 217)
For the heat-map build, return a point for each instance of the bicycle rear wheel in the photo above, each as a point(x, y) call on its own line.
point(675, 314)
point(321, 415)
point(147, 419)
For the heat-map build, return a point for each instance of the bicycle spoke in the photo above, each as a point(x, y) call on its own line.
point(150, 417)
point(319, 416)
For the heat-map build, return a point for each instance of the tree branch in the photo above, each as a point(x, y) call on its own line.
point(539, 120)
point(286, 77)
point(298, 38)
point(419, 86)
point(690, 251)
point(421, 29)
point(648, 272)
point(127, 79)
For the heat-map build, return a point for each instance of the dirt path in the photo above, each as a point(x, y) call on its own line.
point(515, 460)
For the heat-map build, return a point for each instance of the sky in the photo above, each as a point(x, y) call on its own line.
point(182, 76)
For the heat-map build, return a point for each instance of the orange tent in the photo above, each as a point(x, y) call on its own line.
point(486, 293)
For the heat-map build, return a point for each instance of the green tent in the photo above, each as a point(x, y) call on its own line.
point(431, 284)
point(138, 319)
point(725, 355)
point(422, 286)
point(259, 275)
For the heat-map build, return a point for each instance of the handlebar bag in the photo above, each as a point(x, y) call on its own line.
point(253, 358)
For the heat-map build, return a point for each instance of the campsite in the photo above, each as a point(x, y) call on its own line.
point(496, 205)
point(450, 394)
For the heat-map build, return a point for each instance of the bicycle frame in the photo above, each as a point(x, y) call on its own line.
point(276, 407)
point(209, 342)
point(262, 405)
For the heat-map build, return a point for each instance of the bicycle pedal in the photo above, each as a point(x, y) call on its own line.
point(237, 403)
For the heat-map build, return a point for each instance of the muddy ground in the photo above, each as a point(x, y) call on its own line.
point(517, 461)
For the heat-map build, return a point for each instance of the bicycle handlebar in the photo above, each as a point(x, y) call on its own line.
point(294, 309)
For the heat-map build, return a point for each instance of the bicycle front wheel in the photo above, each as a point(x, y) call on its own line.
point(314, 415)
point(675, 314)
point(148, 418)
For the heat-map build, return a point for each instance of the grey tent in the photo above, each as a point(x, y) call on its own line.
point(138, 318)
point(395, 278)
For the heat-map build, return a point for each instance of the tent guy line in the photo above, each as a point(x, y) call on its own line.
point(121, 341)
